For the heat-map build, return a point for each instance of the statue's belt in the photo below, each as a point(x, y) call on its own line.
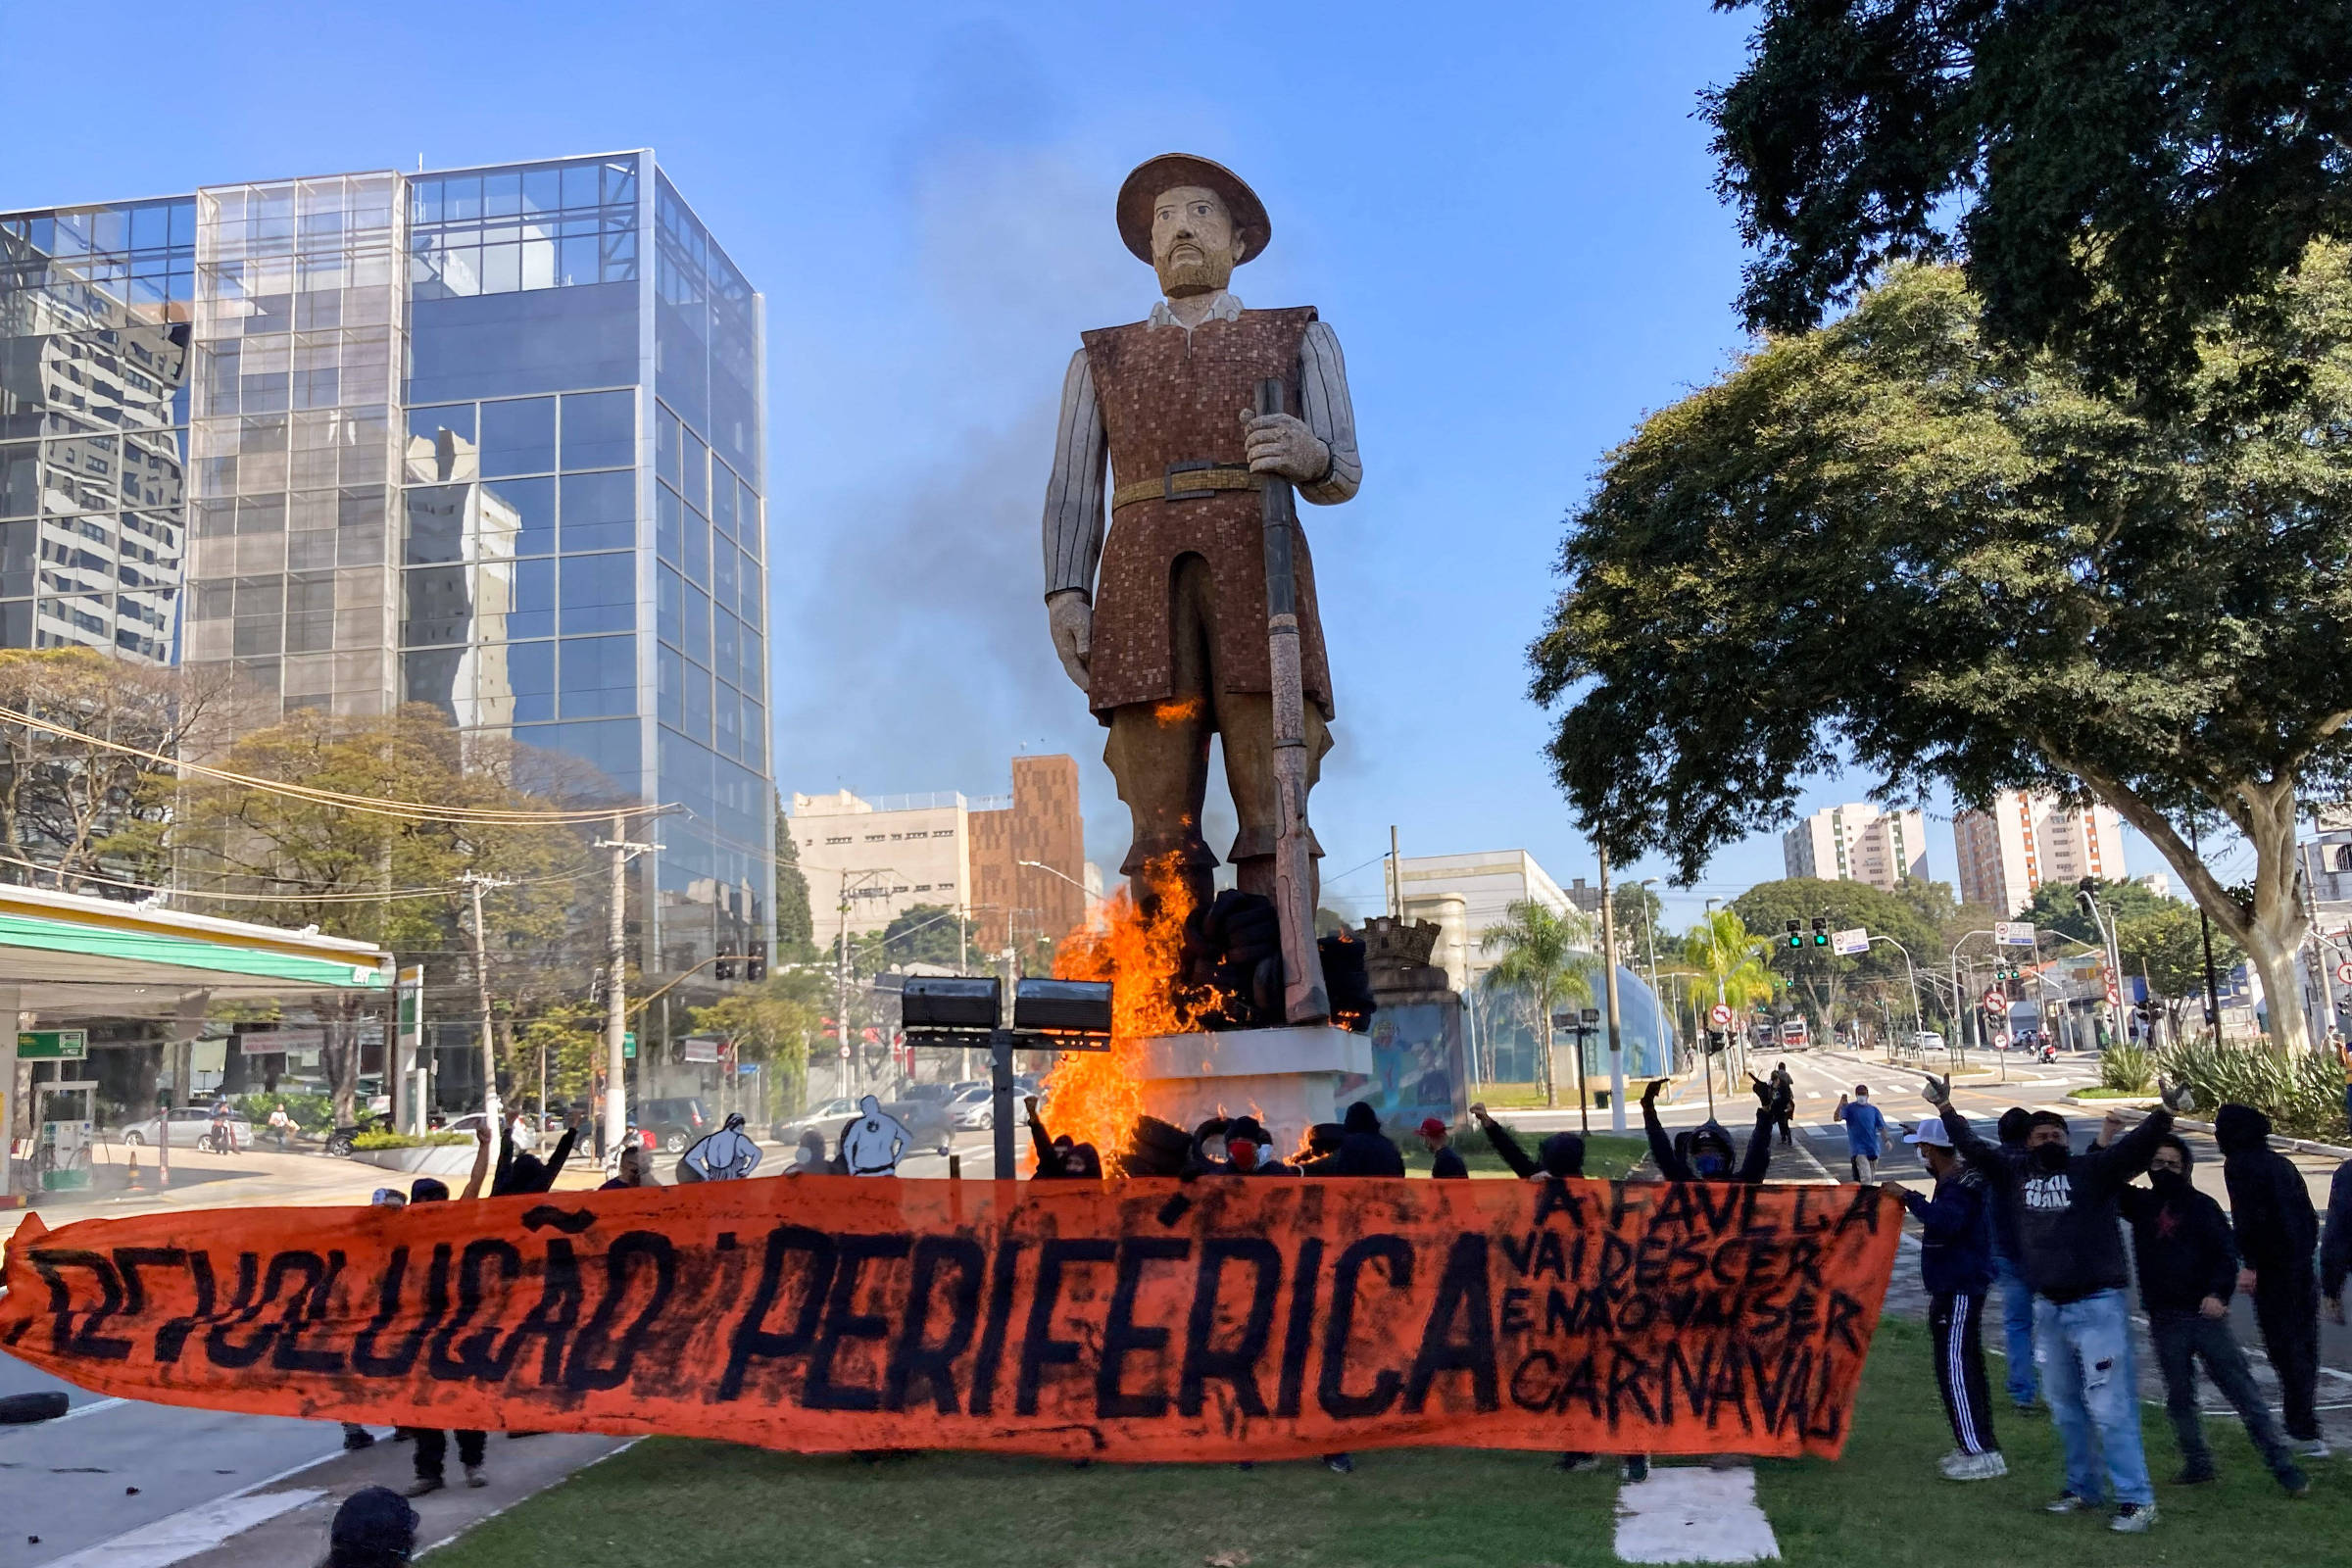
point(1190, 480)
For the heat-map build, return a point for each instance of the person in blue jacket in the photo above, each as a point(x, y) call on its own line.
point(1955, 1265)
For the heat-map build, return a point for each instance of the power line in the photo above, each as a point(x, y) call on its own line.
point(411, 810)
point(450, 891)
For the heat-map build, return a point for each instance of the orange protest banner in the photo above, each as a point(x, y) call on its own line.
point(1225, 1319)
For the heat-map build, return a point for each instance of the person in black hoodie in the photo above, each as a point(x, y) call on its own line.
point(1248, 1150)
point(2188, 1261)
point(2278, 1234)
point(1364, 1150)
point(1711, 1158)
point(1560, 1154)
point(2064, 1213)
point(1955, 1265)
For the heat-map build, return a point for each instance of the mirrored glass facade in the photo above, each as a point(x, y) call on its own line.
point(490, 439)
point(95, 309)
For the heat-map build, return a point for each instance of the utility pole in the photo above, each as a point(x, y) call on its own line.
point(1395, 877)
point(617, 970)
point(841, 980)
point(477, 884)
point(1608, 968)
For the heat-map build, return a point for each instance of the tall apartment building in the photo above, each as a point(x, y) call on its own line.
point(1858, 842)
point(886, 856)
point(489, 439)
point(2024, 840)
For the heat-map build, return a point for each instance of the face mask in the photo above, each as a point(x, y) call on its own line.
point(1244, 1154)
point(2169, 1182)
point(1709, 1165)
point(2049, 1158)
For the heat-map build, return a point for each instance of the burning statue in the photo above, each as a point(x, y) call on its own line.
point(1174, 621)
point(1182, 602)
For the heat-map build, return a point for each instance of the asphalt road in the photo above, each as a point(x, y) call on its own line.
point(109, 1466)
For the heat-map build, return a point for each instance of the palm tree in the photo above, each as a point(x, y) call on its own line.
point(1730, 957)
point(1543, 962)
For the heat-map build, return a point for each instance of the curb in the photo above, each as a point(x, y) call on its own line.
point(2293, 1145)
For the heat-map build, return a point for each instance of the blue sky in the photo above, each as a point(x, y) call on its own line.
point(1506, 213)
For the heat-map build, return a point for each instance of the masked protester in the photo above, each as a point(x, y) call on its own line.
point(1955, 1265)
point(2187, 1264)
point(2278, 1233)
point(374, 1528)
point(1052, 1153)
point(2063, 1210)
point(1248, 1150)
point(809, 1156)
point(1710, 1153)
point(1560, 1154)
point(2017, 1297)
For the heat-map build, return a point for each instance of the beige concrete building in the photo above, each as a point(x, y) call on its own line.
point(2028, 838)
point(1014, 864)
point(1858, 842)
point(1466, 894)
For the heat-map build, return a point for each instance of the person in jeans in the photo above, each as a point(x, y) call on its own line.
point(2017, 1297)
point(2188, 1263)
point(1865, 1132)
point(1955, 1265)
point(2277, 1236)
point(2065, 1211)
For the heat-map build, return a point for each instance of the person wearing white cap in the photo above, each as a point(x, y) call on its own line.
point(1956, 1263)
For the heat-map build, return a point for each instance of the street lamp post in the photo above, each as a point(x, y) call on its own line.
point(1919, 1022)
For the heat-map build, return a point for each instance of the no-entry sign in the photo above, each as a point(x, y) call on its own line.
point(1721, 1017)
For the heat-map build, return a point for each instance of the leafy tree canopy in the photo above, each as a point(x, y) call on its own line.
point(2055, 907)
point(796, 927)
point(1897, 542)
point(927, 933)
point(2116, 174)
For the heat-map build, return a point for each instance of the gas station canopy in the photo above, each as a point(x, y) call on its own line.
point(68, 957)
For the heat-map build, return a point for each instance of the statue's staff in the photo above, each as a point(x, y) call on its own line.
point(1303, 998)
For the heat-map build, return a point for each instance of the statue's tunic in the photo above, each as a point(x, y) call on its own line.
point(1170, 405)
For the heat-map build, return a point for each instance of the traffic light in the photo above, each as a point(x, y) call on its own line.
point(1821, 930)
point(723, 967)
point(1795, 934)
point(600, 990)
point(754, 965)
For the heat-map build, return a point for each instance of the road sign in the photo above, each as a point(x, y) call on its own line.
point(2000, 1040)
point(2343, 973)
point(1846, 944)
point(53, 1045)
point(1997, 1002)
point(2012, 933)
point(628, 1045)
point(1721, 1017)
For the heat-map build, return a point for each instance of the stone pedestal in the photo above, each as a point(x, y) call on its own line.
point(1288, 1078)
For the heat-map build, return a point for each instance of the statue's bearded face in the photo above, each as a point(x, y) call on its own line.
point(1193, 248)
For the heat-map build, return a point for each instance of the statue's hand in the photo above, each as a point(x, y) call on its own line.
point(1282, 444)
point(1072, 619)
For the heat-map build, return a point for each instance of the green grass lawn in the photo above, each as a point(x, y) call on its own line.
point(1608, 1156)
point(669, 1501)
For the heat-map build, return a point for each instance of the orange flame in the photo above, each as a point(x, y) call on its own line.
point(1097, 1096)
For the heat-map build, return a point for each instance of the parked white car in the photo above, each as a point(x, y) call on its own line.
point(973, 1111)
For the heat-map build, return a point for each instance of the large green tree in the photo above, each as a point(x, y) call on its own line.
point(796, 927)
point(2115, 174)
point(1897, 543)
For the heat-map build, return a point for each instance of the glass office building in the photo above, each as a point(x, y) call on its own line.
point(489, 439)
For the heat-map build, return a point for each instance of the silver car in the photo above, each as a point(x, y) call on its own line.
point(189, 1124)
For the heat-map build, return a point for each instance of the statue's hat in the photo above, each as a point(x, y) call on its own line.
point(1169, 171)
